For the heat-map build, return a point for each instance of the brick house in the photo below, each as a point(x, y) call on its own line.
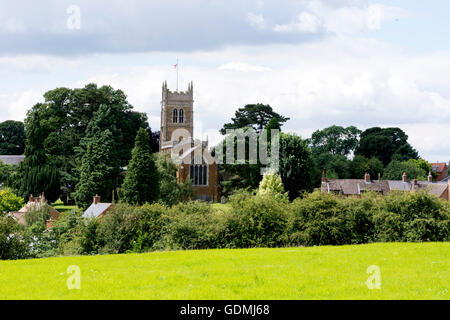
point(441, 169)
point(36, 204)
point(356, 187)
point(97, 208)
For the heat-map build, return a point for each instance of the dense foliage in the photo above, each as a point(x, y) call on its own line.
point(12, 137)
point(248, 220)
point(142, 182)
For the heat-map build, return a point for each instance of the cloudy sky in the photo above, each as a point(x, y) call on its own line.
point(320, 62)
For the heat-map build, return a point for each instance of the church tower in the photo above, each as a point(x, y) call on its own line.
point(176, 112)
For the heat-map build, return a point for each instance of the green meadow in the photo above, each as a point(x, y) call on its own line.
point(407, 271)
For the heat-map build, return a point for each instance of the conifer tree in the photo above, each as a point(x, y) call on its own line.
point(99, 170)
point(142, 182)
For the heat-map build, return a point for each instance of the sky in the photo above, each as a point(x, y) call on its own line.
point(319, 62)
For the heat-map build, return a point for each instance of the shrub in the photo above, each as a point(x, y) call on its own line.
point(256, 220)
point(412, 217)
point(9, 201)
point(193, 225)
point(13, 243)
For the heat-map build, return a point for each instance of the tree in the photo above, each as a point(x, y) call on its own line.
point(6, 172)
point(154, 139)
point(256, 116)
point(9, 202)
point(335, 140)
point(171, 192)
point(35, 175)
point(296, 165)
point(142, 179)
point(57, 126)
point(271, 184)
point(360, 165)
point(385, 144)
point(12, 137)
point(395, 170)
point(99, 170)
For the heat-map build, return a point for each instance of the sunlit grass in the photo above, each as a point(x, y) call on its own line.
point(408, 271)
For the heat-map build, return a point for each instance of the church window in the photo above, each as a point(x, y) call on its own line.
point(199, 175)
point(181, 116)
point(175, 116)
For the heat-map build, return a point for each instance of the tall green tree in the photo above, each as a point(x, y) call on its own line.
point(386, 144)
point(335, 140)
point(57, 126)
point(256, 116)
point(360, 165)
point(395, 169)
point(297, 168)
point(171, 192)
point(99, 170)
point(142, 180)
point(12, 137)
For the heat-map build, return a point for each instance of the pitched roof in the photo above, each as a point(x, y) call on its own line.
point(357, 186)
point(354, 186)
point(12, 160)
point(96, 210)
point(438, 166)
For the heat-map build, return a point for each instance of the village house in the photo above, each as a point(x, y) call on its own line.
point(97, 208)
point(36, 204)
point(356, 187)
point(441, 169)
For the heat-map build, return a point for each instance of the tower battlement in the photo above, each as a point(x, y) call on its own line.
point(187, 95)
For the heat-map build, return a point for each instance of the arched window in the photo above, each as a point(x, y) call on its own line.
point(175, 116)
point(181, 116)
point(199, 175)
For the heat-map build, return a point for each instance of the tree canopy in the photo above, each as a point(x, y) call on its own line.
point(141, 183)
point(335, 140)
point(385, 144)
point(57, 127)
point(256, 116)
point(12, 138)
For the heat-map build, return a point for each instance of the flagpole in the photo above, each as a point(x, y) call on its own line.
point(177, 74)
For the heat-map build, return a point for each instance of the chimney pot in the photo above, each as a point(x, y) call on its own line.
point(97, 199)
point(323, 176)
point(367, 177)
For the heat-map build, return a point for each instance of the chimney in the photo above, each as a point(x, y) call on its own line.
point(323, 176)
point(367, 178)
point(31, 199)
point(404, 177)
point(97, 199)
point(430, 177)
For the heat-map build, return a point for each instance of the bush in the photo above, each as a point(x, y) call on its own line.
point(256, 220)
point(13, 243)
point(9, 202)
point(412, 217)
point(193, 225)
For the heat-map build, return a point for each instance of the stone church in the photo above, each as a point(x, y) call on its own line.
point(177, 137)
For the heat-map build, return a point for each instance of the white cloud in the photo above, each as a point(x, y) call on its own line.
point(255, 20)
point(340, 80)
point(243, 67)
point(306, 22)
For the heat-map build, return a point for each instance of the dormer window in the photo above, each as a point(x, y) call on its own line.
point(181, 116)
point(175, 116)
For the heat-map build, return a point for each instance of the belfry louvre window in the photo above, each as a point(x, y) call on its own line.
point(175, 116)
point(181, 116)
point(199, 175)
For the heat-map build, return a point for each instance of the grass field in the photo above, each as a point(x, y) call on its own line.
point(408, 271)
point(59, 205)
